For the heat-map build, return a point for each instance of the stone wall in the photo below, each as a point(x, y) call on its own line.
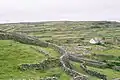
point(45, 64)
point(22, 39)
point(117, 68)
point(88, 62)
point(41, 51)
point(49, 78)
point(57, 48)
point(116, 79)
point(64, 60)
point(93, 73)
point(70, 71)
point(107, 56)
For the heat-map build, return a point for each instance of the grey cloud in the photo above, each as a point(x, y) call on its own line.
point(39, 10)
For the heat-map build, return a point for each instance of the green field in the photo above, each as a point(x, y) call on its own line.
point(73, 36)
point(13, 54)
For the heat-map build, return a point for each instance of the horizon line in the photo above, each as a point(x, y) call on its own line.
point(17, 22)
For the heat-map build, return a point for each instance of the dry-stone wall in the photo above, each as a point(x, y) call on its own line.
point(117, 68)
point(63, 61)
point(76, 75)
point(116, 79)
point(49, 78)
point(93, 73)
point(57, 48)
point(88, 61)
point(22, 39)
point(41, 51)
point(45, 64)
point(107, 56)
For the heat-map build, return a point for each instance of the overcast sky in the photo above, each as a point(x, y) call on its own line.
point(44, 10)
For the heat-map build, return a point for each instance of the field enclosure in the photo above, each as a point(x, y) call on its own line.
point(60, 50)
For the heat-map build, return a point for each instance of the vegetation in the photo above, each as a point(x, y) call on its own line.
point(71, 36)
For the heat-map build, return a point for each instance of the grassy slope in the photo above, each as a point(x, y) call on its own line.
point(111, 74)
point(64, 31)
point(13, 55)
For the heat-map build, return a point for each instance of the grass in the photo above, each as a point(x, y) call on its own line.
point(113, 51)
point(52, 52)
point(59, 32)
point(79, 69)
point(111, 74)
point(13, 55)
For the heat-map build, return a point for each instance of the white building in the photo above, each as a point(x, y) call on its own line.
point(96, 41)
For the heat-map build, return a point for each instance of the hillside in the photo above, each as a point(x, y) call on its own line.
point(63, 47)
